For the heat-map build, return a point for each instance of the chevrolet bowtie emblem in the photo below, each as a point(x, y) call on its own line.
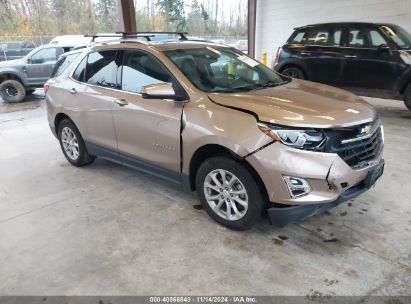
point(366, 129)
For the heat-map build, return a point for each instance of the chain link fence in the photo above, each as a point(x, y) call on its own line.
point(36, 40)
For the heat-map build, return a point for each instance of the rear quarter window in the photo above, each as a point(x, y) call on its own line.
point(298, 38)
point(80, 71)
point(63, 63)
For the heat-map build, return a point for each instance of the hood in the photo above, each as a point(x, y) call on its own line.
point(301, 104)
point(12, 63)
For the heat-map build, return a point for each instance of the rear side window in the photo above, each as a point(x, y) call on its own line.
point(102, 69)
point(80, 71)
point(356, 38)
point(318, 36)
point(141, 69)
point(62, 64)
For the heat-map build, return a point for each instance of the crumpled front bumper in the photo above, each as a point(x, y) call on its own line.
point(280, 217)
point(332, 180)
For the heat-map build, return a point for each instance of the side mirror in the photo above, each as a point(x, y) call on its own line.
point(383, 48)
point(158, 91)
point(28, 60)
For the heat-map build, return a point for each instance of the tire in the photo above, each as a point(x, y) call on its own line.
point(244, 189)
point(407, 97)
point(72, 144)
point(293, 72)
point(12, 91)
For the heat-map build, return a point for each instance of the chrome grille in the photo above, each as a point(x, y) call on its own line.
point(358, 150)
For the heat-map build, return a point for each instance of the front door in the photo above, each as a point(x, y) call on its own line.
point(40, 65)
point(148, 130)
point(369, 65)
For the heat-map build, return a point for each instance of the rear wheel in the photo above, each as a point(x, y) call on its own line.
point(293, 72)
point(407, 97)
point(229, 193)
point(12, 91)
point(73, 145)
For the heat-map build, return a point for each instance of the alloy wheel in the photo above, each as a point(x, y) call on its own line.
point(70, 143)
point(226, 194)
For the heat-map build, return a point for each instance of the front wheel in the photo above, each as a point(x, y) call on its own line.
point(12, 91)
point(73, 145)
point(407, 97)
point(229, 193)
point(293, 72)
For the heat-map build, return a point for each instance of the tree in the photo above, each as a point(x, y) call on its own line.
point(173, 12)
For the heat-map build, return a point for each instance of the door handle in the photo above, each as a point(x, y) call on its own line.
point(305, 53)
point(121, 102)
point(73, 91)
point(350, 56)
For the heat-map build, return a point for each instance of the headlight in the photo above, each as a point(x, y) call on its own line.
point(309, 139)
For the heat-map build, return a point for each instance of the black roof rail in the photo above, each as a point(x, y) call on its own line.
point(120, 36)
point(183, 35)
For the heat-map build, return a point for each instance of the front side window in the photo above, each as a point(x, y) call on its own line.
point(140, 69)
point(44, 56)
point(222, 69)
point(102, 69)
point(376, 39)
point(398, 35)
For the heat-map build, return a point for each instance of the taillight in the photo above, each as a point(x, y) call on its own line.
point(274, 59)
point(277, 54)
point(46, 88)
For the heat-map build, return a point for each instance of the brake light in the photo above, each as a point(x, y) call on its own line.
point(277, 54)
point(46, 88)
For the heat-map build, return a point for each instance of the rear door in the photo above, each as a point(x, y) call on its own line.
point(368, 65)
point(322, 54)
point(91, 95)
point(148, 130)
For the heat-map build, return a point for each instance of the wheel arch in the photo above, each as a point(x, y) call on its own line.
point(11, 76)
point(294, 65)
point(59, 118)
point(405, 85)
point(213, 150)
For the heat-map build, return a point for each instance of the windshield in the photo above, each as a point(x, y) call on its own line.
point(400, 36)
point(222, 69)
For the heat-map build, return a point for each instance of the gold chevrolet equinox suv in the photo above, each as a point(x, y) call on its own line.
point(250, 141)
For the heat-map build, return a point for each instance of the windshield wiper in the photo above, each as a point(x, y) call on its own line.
point(270, 84)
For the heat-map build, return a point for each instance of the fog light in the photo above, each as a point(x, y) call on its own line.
point(297, 186)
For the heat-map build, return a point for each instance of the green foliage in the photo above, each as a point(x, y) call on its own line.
point(173, 10)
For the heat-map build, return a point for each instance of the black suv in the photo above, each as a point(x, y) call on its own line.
point(372, 57)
